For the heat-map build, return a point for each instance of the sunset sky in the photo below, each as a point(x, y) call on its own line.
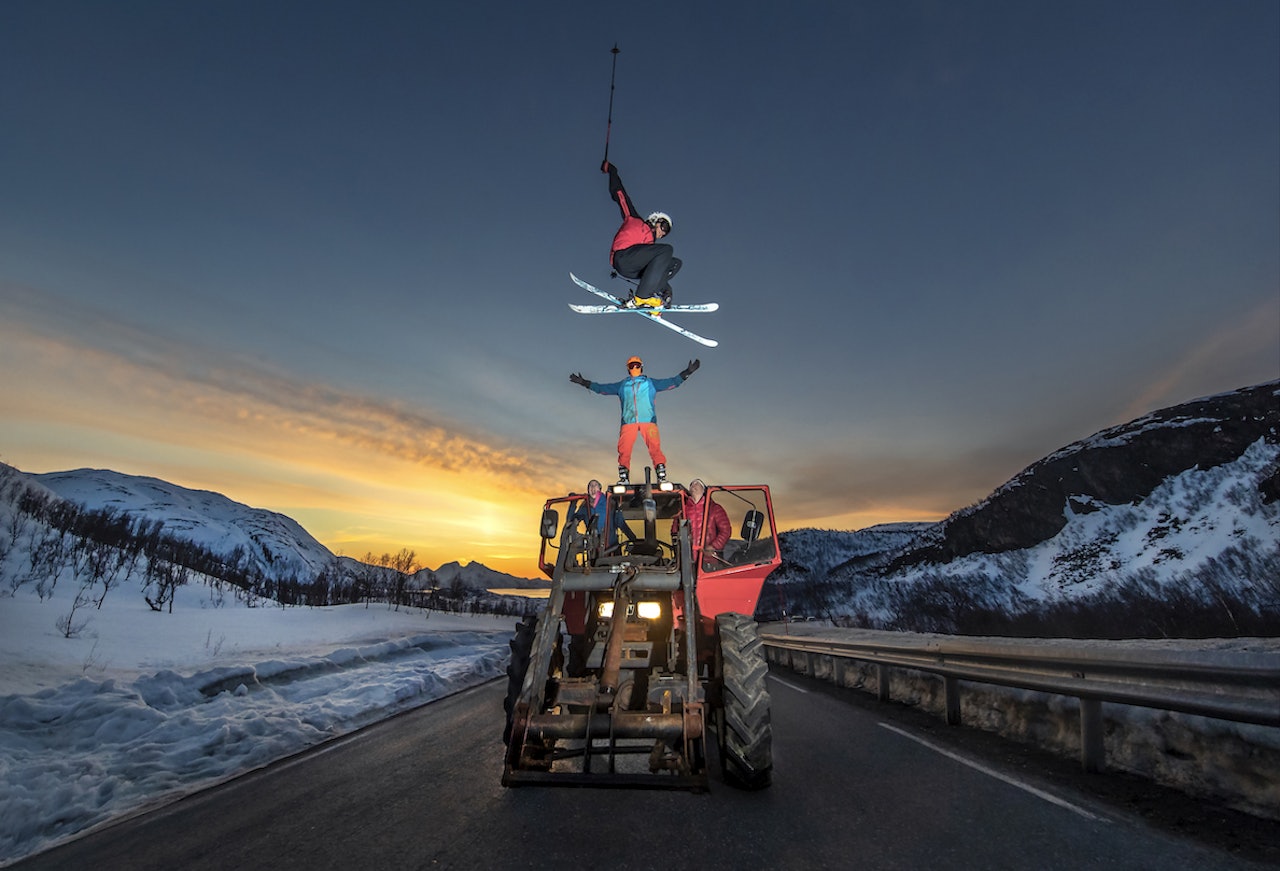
point(315, 255)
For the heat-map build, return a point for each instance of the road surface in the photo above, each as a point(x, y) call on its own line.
point(856, 785)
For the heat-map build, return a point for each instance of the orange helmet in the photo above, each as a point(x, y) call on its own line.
point(634, 361)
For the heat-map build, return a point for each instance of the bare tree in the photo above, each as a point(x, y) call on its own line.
point(49, 559)
point(99, 561)
point(17, 523)
point(164, 578)
point(403, 564)
point(126, 561)
point(67, 624)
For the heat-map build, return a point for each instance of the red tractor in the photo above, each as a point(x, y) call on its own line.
point(647, 635)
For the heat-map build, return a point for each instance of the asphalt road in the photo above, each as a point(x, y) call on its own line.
point(856, 785)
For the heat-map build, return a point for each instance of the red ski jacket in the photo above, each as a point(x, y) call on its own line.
point(634, 230)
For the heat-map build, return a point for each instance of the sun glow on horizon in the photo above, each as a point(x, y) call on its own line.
point(360, 476)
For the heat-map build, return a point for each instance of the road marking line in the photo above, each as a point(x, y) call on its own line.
point(790, 685)
point(997, 775)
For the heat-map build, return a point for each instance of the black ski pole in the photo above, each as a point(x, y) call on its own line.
point(609, 125)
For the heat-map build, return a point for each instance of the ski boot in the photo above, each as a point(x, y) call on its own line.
point(643, 302)
point(661, 470)
point(624, 475)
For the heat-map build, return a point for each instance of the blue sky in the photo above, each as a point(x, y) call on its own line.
point(315, 255)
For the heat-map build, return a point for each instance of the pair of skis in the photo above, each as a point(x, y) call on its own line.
point(654, 314)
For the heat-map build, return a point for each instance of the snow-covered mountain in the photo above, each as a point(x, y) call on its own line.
point(270, 544)
point(275, 545)
point(810, 555)
point(822, 550)
point(473, 576)
point(1167, 525)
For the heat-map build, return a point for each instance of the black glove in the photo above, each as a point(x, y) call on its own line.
point(690, 369)
point(576, 378)
point(605, 166)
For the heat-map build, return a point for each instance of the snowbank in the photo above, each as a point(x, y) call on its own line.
point(142, 708)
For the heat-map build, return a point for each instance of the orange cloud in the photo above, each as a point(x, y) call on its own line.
point(363, 474)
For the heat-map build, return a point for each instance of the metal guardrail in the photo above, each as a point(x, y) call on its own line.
point(1232, 685)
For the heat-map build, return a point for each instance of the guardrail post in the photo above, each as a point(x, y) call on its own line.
point(882, 682)
point(953, 700)
point(1092, 749)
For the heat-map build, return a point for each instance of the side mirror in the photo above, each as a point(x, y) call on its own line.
point(550, 522)
point(751, 525)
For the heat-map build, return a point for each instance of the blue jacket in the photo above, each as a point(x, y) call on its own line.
point(590, 512)
point(636, 394)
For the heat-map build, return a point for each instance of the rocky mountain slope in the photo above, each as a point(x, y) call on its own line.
point(1167, 525)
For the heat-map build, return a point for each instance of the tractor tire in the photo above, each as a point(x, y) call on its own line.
point(746, 736)
point(521, 650)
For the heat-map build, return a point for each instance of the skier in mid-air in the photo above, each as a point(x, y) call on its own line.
point(639, 416)
point(637, 251)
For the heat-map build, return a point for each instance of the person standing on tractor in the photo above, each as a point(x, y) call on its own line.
point(639, 415)
point(637, 252)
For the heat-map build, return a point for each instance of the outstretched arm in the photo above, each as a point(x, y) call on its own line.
point(617, 192)
point(660, 384)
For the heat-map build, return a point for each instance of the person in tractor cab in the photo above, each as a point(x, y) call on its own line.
point(591, 511)
point(639, 415)
point(637, 251)
point(719, 529)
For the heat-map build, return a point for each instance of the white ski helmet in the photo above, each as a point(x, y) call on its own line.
point(660, 216)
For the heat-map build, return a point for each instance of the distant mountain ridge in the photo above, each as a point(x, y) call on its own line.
point(274, 544)
point(1166, 525)
point(473, 576)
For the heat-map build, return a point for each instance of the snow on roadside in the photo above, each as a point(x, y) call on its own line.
point(143, 708)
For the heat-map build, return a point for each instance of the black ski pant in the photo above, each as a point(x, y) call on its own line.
point(652, 263)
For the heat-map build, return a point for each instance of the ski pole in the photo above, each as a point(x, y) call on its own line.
point(609, 125)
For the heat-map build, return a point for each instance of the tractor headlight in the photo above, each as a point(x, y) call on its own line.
point(643, 610)
point(649, 610)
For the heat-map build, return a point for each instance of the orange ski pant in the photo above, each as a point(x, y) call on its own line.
point(627, 441)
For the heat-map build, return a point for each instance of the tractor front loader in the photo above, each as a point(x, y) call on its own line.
point(646, 641)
